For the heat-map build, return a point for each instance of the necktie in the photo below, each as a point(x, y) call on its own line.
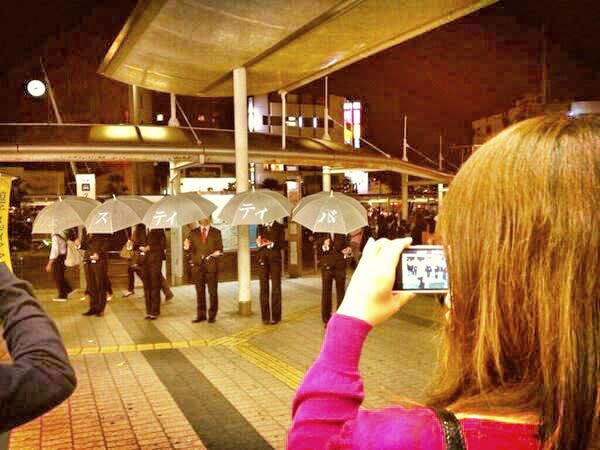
point(204, 235)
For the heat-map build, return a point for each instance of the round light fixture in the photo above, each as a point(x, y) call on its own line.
point(36, 88)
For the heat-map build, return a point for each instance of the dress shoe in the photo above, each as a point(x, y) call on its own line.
point(274, 322)
point(152, 317)
point(169, 297)
point(212, 320)
point(198, 320)
point(88, 313)
point(127, 294)
point(100, 314)
point(266, 322)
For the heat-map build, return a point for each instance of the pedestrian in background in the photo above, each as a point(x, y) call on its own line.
point(205, 246)
point(269, 241)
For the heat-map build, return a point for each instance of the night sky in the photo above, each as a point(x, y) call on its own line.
point(442, 80)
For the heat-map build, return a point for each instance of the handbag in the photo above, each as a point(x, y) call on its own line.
point(451, 428)
point(125, 252)
point(73, 257)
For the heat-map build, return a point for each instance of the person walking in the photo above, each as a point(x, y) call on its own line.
point(95, 261)
point(56, 265)
point(269, 240)
point(205, 246)
point(333, 250)
point(154, 249)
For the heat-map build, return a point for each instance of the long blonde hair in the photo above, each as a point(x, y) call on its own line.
point(521, 227)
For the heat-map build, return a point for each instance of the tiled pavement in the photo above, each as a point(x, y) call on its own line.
point(228, 385)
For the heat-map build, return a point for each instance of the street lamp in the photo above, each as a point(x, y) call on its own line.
point(36, 88)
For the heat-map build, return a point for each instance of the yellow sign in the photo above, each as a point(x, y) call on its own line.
point(5, 183)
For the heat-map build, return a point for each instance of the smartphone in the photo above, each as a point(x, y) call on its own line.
point(422, 269)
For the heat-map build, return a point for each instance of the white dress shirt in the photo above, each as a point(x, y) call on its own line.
point(59, 245)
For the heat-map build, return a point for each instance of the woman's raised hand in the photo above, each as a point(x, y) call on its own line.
point(369, 296)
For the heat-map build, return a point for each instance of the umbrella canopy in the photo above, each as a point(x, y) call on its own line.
point(77, 198)
point(117, 214)
point(63, 214)
point(330, 212)
point(178, 210)
point(255, 207)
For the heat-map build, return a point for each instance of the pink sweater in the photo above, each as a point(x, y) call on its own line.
point(326, 412)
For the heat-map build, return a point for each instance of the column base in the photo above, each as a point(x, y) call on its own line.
point(245, 308)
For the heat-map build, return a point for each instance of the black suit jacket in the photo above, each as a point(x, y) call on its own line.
point(157, 242)
point(275, 234)
point(199, 250)
point(333, 257)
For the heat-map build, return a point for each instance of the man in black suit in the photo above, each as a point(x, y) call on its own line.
point(270, 242)
point(153, 253)
point(333, 250)
point(137, 238)
point(205, 246)
point(95, 263)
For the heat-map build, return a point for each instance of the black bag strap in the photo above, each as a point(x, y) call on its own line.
point(451, 428)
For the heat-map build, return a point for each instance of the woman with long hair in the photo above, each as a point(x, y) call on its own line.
point(519, 363)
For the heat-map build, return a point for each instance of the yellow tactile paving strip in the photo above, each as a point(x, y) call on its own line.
point(238, 343)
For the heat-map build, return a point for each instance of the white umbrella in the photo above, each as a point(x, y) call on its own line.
point(117, 214)
point(63, 214)
point(255, 207)
point(330, 212)
point(178, 210)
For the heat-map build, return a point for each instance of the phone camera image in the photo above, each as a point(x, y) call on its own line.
point(422, 269)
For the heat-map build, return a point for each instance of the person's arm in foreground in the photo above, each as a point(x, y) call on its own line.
point(40, 376)
point(332, 390)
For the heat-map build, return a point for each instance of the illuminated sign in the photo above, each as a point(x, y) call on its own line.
point(352, 129)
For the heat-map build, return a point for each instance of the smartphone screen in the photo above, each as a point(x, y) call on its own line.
point(422, 268)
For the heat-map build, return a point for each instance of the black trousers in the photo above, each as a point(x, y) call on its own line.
point(136, 270)
point(107, 283)
point(327, 277)
point(270, 266)
point(151, 278)
point(202, 279)
point(96, 285)
point(58, 273)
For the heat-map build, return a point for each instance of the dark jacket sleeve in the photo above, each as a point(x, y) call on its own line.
point(219, 242)
point(40, 376)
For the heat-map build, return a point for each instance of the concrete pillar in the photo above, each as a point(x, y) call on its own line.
point(173, 121)
point(283, 118)
point(174, 188)
point(240, 108)
point(134, 105)
point(326, 178)
point(404, 188)
point(295, 239)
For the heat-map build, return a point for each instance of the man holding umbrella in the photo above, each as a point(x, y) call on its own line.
point(153, 251)
point(270, 242)
point(333, 250)
point(95, 261)
point(205, 246)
